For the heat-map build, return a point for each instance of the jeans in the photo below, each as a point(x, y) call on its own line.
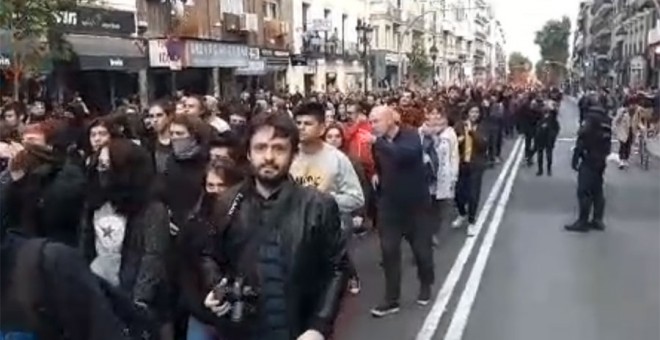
point(199, 331)
point(624, 148)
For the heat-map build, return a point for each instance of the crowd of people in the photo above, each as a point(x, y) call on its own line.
point(196, 218)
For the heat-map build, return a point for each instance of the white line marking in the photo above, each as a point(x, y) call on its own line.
point(462, 312)
point(442, 299)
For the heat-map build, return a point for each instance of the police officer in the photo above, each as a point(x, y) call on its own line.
point(589, 160)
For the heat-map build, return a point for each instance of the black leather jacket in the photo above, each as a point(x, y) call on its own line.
point(314, 249)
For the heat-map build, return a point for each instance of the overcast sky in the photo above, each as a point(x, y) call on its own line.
point(522, 18)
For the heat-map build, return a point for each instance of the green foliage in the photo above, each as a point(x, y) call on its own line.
point(420, 65)
point(540, 70)
point(31, 24)
point(553, 41)
point(518, 62)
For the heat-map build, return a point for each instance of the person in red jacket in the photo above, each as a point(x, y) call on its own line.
point(357, 133)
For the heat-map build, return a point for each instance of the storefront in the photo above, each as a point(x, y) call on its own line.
point(277, 65)
point(203, 66)
point(106, 58)
point(251, 77)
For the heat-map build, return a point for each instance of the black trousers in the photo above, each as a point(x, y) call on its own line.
point(544, 144)
point(495, 140)
point(529, 146)
point(442, 212)
point(413, 225)
point(468, 191)
point(624, 148)
point(590, 193)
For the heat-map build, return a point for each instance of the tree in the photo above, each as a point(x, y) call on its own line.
point(31, 26)
point(519, 67)
point(541, 71)
point(553, 41)
point(420, 66)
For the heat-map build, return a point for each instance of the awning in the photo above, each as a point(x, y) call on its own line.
point(107, 53)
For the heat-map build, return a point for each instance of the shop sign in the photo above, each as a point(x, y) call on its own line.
point(98, 21)
point(268, 53)
point(254, 67)
point(215, 54)
point(116, 62)
point(392, 59)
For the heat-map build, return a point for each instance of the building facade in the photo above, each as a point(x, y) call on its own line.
point(325, 46)
point(612, 44)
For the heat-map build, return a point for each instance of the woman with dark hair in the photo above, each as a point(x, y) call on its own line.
point(157, 139)
point(221, 174)
point(472, 146)
point(125, 228)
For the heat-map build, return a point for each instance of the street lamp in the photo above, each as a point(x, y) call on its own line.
point(434, 55)
point(364, 31)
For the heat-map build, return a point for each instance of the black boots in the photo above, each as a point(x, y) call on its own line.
point(578, 226)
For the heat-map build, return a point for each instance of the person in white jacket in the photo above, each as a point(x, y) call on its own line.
point(445, 173)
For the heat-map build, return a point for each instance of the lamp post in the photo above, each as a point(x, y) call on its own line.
point(364, 31)
point(434, 55)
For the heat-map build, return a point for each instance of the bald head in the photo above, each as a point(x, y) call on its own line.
point(383, 119)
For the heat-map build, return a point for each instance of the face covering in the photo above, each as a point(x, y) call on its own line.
point(184, 148)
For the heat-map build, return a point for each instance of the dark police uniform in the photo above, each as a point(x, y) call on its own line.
point(589, 160)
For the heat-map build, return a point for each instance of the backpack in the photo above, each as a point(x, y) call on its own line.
point(30, 292)
point(30, 270)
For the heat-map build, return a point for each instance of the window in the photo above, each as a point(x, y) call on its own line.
point(231, 6)
point(270, 9)
point(305, 15)
point(375, 39)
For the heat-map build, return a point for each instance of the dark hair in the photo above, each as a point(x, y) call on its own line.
point(283, 125)
point(227, 169)
point(132, 174)
point(166, 105)
point(341, 133)
point(314, 109)
point(201, 131)
point(17, 107)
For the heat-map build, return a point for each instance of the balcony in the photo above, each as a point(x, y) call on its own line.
point(601, 6)
point(316, 46)
point(386, 11)
point(480, 36)
point(275, 33)
point(480, 19)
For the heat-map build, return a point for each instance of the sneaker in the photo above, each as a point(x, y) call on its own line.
point(385, 309)
point(498, 160)
point(577, 226)
point(424, 296)
point(458, 222)
point(354, 286)
point(471, 230)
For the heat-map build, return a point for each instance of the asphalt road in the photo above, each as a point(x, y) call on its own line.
point(524, 277)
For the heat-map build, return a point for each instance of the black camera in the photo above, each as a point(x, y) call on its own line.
point(242, 297)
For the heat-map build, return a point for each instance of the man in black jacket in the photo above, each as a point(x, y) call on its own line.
point(589, 160)
point(403, 206)
point(277, 260)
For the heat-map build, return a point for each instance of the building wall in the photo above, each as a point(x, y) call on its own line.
point(342, 16)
